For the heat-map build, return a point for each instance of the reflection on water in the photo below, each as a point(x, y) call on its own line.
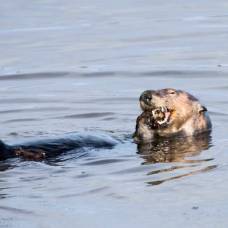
point(177, 150)
point(157, 182)
point(6, 165)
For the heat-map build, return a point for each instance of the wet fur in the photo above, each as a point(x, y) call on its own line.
point(47, 148)
point(189, 116)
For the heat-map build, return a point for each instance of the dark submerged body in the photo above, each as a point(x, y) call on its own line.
point(45, 148)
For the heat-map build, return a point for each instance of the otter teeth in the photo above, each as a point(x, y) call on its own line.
point(163, 109)
point(159, 110)
point(157, 115)
point(165, 119)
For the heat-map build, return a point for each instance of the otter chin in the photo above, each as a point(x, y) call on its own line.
point(169, 112)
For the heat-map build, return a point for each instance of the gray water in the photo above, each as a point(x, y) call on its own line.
point(80, 66)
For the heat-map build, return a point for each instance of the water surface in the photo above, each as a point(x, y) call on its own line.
point(80, 66)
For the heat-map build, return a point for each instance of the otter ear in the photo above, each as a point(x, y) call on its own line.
point(201, 108)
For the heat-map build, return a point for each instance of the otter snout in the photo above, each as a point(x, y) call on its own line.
point(146, 99)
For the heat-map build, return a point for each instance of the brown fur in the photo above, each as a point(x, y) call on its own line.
point(187, 116)
point(36, 154)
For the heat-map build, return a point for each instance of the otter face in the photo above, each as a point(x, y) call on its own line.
point(169, 107)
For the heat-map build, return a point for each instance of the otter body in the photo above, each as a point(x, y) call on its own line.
point(169, 112)
point(46, 148)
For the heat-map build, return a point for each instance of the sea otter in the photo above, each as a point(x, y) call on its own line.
point(169, 112)
point(45, 148)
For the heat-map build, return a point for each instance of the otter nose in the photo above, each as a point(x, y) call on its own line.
point(146, 96)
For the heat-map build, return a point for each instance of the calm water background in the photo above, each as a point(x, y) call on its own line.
point(80, 66)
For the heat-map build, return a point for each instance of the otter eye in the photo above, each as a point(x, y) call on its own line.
point(172, 92)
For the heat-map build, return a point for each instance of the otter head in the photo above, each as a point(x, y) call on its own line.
point(170, 108)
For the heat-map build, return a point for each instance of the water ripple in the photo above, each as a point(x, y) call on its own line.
point(206, 169)
point(89, 115)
